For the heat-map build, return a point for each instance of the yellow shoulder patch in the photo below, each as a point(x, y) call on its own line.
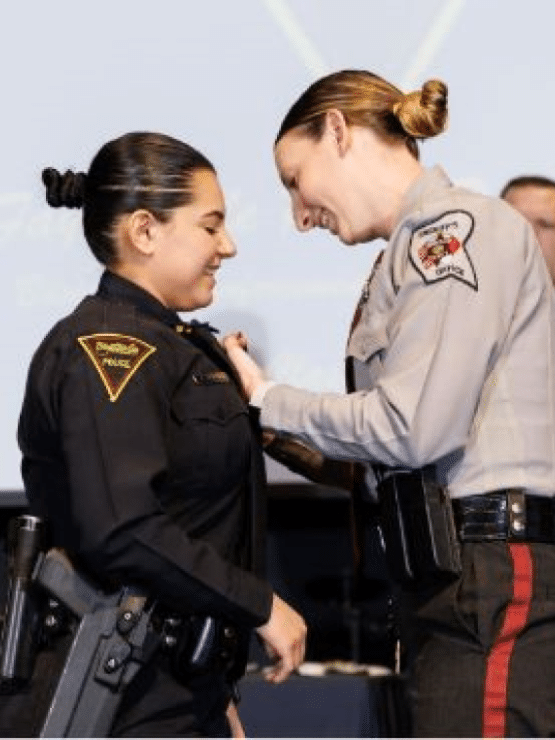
point(116, 358)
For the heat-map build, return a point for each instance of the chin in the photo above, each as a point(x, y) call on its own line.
point(194, 303)
point(347, 239)
point(205, 301)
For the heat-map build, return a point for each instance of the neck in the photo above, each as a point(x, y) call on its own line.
point(403, 176)
point(385, 172)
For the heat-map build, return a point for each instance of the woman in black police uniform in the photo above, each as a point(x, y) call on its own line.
point(451, 364)
point(137, 445)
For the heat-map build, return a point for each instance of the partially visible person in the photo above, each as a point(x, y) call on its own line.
point(138, 449)
point(452, 405)
point(534, 197)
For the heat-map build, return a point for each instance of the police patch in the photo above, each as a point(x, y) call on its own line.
point(116, 357)
point(437, 249)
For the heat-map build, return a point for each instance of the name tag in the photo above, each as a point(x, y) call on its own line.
point(216, 377)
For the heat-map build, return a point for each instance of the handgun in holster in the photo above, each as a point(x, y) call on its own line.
point(416, 518)
point(112, 639)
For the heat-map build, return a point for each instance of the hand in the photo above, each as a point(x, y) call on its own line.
point(251, 375)
point(235, 724)
point(284, 637)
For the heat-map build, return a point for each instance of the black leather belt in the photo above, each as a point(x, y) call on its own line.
point(509, 514)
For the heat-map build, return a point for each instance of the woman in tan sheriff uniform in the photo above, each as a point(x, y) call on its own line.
point(137, 446)
point(451, 356)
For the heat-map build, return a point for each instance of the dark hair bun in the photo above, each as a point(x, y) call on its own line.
point(64, 191)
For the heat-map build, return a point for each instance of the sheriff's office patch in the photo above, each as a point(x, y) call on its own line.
point(116, 358)
point(437, 250)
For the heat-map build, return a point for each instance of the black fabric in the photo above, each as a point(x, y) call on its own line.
point(156, 705)
point(450, 634)
point(161, 487)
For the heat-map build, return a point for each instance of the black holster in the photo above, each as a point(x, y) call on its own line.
point(416, 518)
point(200, 644)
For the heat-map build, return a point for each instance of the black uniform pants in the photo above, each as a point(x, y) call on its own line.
point(157, 705)
point(481, 659)
point(154, 705)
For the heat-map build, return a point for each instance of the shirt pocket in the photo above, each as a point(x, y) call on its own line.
point(367, 346)
point(208, 400)
point(210, 438)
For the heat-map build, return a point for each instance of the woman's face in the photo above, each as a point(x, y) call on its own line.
point(190, 247)
point(317, 175)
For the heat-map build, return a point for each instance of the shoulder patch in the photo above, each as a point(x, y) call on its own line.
point(116, 357)
point(437, 249)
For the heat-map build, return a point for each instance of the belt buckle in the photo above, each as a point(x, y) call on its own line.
point(516, 514)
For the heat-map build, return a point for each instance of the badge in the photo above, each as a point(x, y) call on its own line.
point(116, 357)
point(437, 250)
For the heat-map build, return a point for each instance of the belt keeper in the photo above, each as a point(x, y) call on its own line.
point(516, 510)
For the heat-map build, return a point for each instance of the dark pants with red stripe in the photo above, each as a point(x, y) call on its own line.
point(481, 658)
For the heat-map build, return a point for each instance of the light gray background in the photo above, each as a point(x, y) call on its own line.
point(221, 74)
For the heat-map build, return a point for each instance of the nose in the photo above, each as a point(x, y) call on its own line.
point(227, 246)
point(301, 214)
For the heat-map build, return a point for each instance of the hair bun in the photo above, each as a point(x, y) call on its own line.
point(64, 191)
point(423, 113)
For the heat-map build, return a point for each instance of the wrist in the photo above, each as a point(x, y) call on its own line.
point(258, 392)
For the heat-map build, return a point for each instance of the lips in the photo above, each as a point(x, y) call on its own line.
point(325, 221)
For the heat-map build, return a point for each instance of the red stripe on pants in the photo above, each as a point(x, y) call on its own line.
point(497, 665)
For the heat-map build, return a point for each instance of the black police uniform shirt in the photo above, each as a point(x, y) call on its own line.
point(138, 450)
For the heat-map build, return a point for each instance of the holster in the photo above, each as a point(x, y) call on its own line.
point(200, 644)
point(111, 638)
point(418, 527)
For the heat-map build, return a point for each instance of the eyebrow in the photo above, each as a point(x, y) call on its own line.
point(220, 215)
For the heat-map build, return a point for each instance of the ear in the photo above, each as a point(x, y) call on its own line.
point(339, 129)
point(141, 230)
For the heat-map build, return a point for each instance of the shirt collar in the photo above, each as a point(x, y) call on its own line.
point(119, 288)
point(431, 181)
point(116, 287)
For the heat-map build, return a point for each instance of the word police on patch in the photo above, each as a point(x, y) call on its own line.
point(437, 250)
point(116, 357)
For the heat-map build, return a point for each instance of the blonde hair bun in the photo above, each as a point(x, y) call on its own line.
point(423, 113)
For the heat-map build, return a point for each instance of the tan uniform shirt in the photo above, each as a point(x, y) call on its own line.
point(454, 352)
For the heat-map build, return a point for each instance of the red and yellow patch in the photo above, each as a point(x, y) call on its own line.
point(116, 357)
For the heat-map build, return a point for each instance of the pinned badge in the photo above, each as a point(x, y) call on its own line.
point(116, 357)
point(438, 251)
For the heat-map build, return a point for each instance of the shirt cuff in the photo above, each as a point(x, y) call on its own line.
point(257, 397)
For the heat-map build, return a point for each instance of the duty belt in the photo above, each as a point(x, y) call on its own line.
point(509, 514)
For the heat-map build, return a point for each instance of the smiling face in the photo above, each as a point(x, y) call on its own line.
point(310, 171)
point(180, 257)
point(337, 182)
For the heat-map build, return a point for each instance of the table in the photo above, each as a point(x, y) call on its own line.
point(334, 705)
